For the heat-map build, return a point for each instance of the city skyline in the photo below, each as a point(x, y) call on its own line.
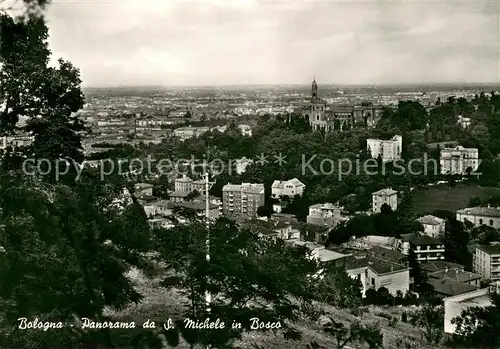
point(224, 43)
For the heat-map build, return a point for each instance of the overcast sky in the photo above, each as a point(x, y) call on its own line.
point(222, 42)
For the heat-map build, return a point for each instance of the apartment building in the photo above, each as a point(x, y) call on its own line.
point(425, 247)
point(480, 216)
point(433, 226)
point(387, 150)
point(384, 196)
point(486, 261)
point(242, 200)
point(328, 215)
point(288, 188)
point(459, 160)
point(375, 272)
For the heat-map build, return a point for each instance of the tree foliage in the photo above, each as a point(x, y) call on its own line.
point(47, 96)
point(478, 326)
point(66, 252)
point(430, 319)
point(247, 276)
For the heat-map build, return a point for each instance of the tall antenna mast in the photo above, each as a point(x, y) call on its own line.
point(208, 295)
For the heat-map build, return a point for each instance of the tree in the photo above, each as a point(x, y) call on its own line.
point(456, 241)
point(339, 289)
point(48, 96)
point(248, 277)
point(355, 332)
point(478, 326)
point(431, 320)
point(193, 195)
point(474, 201)
point(264, 211)
point(25, 8)
point(419, 275)
point(385, 209)
point(66, 252)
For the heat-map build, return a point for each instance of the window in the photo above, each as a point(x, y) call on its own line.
point(491, 222)
point(373, 281)
point(480, 221)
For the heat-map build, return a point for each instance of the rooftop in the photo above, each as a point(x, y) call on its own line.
point(197, 205)
point(430, 220)
point(455, 275)
point(280, 184)
point(424, 240)
point(450, 287)
point(386, 253)
point(435, 266)
point(326, 206)
point(143, 186)
point(490, 249)
point(253, 188)
point(329, 255)
point(378, 265)
point(385, 192)
point(178, 194)
point(475, 297)
point(481, 211)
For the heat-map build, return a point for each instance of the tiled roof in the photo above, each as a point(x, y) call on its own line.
point(449, 287)
point(430, 220)
point(456, 275)
point(379, 265)
point(481, 211)
point(387, 253)
point(435, 266)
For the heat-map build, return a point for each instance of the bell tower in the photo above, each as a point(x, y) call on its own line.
point(314, 89)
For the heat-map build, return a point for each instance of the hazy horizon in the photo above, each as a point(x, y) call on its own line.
point(134, 43)
point(303, 85)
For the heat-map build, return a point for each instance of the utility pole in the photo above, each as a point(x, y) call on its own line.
point(208, 296)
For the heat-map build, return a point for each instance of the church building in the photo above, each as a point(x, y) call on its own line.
point(338, 117)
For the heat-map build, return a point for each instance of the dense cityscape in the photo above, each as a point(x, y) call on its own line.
point(311, 215)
